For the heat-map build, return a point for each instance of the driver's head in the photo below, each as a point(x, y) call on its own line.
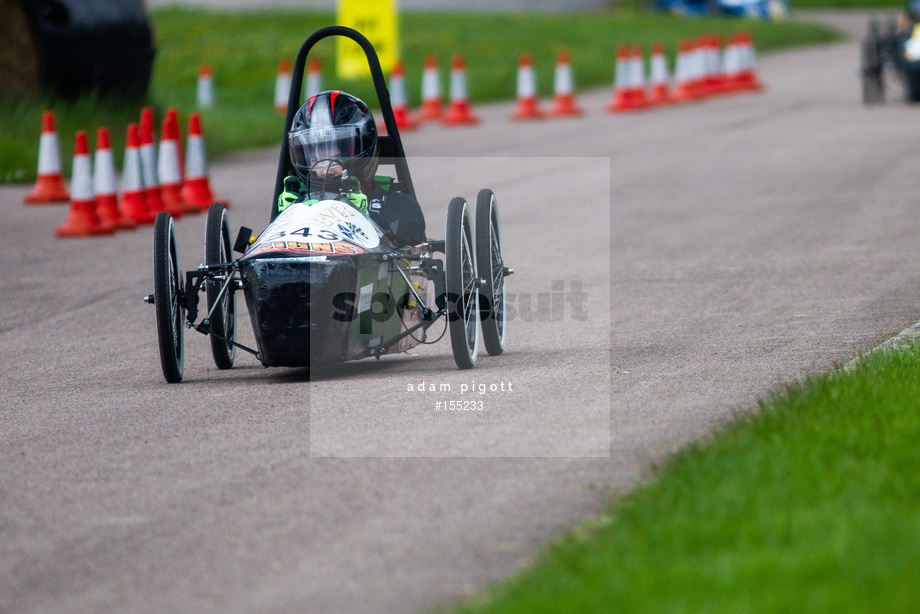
point(334, 126)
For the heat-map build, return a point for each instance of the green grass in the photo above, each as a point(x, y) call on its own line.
point(244, 51)
point(810, 504)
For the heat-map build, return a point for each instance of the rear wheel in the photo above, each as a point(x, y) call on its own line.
point(167, 290)
point(461, 284)
point(491, 268)
point(218, 250)
point(912, 80)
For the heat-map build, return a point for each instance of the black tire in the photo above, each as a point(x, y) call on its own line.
point(167, 290)
point(491, 267)
point(912, 81)
point(217, 250)
point(460, 274)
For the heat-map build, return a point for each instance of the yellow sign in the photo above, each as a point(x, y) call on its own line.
point(375, 19)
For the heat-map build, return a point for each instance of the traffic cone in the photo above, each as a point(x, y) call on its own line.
point(196, 189)
point(104, 185)
point(133, 203)
point(172, 116)
point(527, 105)
point(698, 68)
point(149, 168)
point(658, 77)
point(459, 112)
point(205, 92)
point(168, 168)
point(684, 85)
point(82, 220)
point(282, 86)
point(637, 69)
point(404, 120)
point(49, 187)
point(747, 76)
point(731, 64)
point(564, 104)
point(623, 98)
point(314, 84)
point(431, 91)
point(713, 83)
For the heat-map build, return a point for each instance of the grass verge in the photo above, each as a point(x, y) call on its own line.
point(244, 50)
point(810, 504)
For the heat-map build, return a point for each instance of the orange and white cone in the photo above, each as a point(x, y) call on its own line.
point(747, 76)
point(698, 68)
point(314, 84)
point(401, 112)
point(684, 85)
point(172, 117)
point(168, 168)
point(623, 99)
point(133, 203)
point(49, 187)
point(196, 189)
point(658, 77)
point(527, 105)
point(713, 83)
point(82, 220)
point(431, 91)
point(459, 111)
point(282, 86)
point(205, 90)
point(104, 185)
point(149, 168)
point(637, 69)
point(564, 104)
point(731, 64)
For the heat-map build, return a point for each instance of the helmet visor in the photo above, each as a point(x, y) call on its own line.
point(341, 143)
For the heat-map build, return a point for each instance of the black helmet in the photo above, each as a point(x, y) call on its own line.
point(333, 125)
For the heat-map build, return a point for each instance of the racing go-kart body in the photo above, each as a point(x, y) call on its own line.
point(326, 284)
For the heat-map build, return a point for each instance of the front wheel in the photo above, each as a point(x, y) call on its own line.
point(218, 250)
point(491, 268)
point(461, 284)
point(167, 290)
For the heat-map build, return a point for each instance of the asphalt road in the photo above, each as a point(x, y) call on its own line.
point(722, 249)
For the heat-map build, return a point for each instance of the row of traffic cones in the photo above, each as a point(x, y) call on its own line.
point(313, 85)
point(152, 181)
point(459, 112)
point(701, 70)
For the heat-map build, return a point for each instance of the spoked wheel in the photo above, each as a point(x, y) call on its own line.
point(218, 250)
point(167, 290)
point(461, 284)
point(491, 268)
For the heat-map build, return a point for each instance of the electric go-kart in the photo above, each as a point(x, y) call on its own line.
point(896, 52)
point(324, 283)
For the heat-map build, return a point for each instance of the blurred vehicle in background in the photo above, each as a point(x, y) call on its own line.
point(758, 9)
